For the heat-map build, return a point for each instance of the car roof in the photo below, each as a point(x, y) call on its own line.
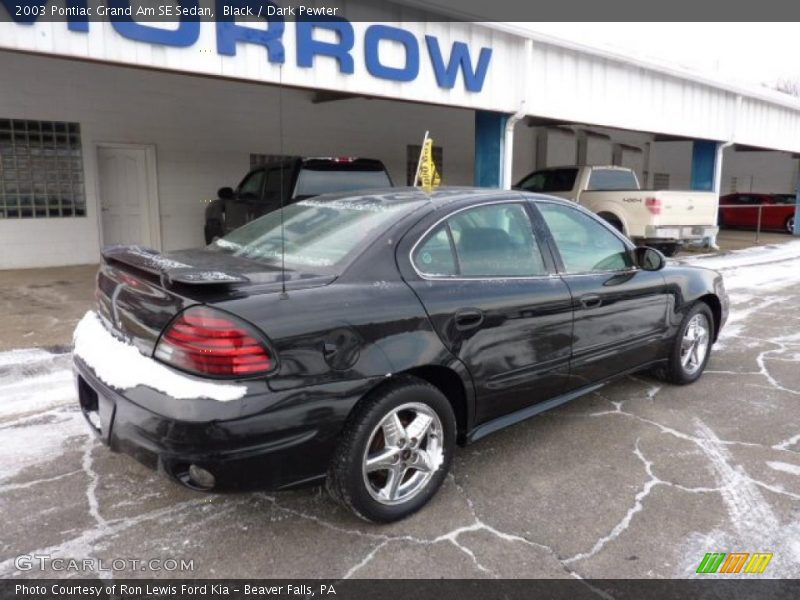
point(440, 197)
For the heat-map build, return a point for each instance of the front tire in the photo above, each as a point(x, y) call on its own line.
point(394, 452)
point(790, 225)
point(692, 346)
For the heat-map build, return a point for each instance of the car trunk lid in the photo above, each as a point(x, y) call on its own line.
point(139, 291)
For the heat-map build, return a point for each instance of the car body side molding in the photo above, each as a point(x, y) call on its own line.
point(481, 431)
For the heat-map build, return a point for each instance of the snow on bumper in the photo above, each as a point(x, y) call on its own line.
point(122, 366)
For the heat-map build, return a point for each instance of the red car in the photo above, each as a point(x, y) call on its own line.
point(777, 212)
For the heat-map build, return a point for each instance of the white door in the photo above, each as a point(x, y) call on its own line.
point(125, 184)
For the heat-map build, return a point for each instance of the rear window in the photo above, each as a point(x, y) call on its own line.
point(318, 234)
point(323, 177)
point(551, 180)
point(612, 179)
point(784, 199)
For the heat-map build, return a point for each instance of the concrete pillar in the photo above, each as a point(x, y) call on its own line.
point(490, 130)
point(704, 165)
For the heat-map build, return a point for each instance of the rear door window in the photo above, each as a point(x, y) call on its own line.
point(435, 256)
point(493, 241)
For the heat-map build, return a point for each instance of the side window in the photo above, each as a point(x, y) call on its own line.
point(435, 255)
point(585, 244)
point(550, 180)
point(496, 241)
point(251, 185)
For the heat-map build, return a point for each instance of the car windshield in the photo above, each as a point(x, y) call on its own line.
point(318, 234)
point(313, 182)
point(784, 199)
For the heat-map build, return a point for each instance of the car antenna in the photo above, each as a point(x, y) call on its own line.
point(283, 161)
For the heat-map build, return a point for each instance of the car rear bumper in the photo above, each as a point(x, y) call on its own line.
point(679, 233)
point(288, 444)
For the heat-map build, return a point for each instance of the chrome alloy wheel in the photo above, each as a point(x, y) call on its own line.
point(403, 453)
point(790, 224)
point(694, 345)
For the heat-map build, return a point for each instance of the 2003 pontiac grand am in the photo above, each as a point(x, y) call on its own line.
point(375, 334)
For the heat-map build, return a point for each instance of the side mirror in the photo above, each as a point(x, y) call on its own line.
point(225, 193)
point(648, 259)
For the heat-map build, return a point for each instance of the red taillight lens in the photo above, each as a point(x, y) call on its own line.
point(653, 205)
point(206, 341)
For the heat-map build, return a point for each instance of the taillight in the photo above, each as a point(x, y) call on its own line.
point(209, 342)
point(653, 205)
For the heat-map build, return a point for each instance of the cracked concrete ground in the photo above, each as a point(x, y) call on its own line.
point(638, 480)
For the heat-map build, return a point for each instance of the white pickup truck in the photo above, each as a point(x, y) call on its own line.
point(664, 219)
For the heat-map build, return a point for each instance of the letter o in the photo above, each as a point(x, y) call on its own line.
point(372, 39)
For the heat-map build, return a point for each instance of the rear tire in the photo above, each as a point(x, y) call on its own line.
point(691, 348)
point(394, 451)
point(790, 225)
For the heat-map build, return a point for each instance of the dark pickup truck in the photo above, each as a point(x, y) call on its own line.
point(260, 190)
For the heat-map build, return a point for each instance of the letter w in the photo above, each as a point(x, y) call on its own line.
point(459, 59)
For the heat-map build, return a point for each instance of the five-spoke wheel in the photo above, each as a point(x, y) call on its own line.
point(395, 450)
point(692, 346)
point(403, 453)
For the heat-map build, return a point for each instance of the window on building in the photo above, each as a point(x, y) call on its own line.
point(412, 160)
point(661, 181)
point(41, 170)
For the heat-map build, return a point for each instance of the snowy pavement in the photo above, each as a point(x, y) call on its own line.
point(638, 480)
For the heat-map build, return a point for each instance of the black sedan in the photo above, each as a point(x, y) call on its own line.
point(357, 339)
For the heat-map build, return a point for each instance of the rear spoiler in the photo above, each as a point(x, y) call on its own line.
point(167, 270)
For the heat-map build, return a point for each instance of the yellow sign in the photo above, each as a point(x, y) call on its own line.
point(428, 174)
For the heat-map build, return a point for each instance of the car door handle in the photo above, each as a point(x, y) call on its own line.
point(591, 301)
point(468, 318)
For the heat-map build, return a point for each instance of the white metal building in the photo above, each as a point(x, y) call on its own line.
point(120, 132)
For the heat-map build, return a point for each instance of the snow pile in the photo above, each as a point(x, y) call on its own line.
point(33, 381)
point(761, 267)
point(122, 366)
point(747, 257)
point(38, 441)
